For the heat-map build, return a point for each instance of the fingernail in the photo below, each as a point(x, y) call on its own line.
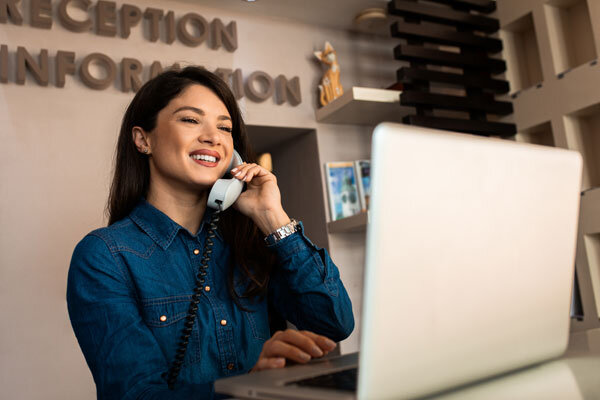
point(305, 357)
point(279, 362)
point(317, 352)
point(330, 343)
point(233, 170)
point(237, 173)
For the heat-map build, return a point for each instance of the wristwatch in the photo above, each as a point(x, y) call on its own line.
point(282, 232)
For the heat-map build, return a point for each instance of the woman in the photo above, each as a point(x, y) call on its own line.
point(165, 299)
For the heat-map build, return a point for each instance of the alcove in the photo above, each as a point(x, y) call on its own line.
point(539, 134)
point(583, 134)
point(570, 33)
point(295, 156)
point(521, 53)
point(592, 247)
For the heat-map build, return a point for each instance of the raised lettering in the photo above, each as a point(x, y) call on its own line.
point(38, 70)
point(187, 38)
point(155, 69)
point(170, 27)
point(130, 17)
point(97, 83)
point(283, 88)
point(68, 22)
point(9, 9)
point(229, 34)
point(4, 63)
point(266, 91)
point(41, 14)
point(65, 64)
point(153, 15)
point(130, 75)
point(106, 18)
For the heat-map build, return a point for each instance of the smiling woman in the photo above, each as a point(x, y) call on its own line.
point(154, 315)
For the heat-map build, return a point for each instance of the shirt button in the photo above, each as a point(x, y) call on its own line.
point(223, 322)
point(207, 288)
point(230, 366)
point(196, 251)
point(163, 318)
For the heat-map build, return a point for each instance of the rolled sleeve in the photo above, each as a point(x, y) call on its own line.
point(306, 288)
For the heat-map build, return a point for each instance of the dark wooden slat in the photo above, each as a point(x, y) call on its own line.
point(442, 15)
point(438, 57)
point(483, 128)
point(410, 75)
point(484, 6)
point(459, 103)
point(441, 35)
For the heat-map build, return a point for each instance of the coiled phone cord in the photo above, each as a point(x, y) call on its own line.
point(173, 372)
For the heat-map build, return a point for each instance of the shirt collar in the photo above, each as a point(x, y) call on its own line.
point(158, 225)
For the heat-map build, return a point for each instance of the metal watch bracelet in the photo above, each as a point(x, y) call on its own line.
point(282, 232)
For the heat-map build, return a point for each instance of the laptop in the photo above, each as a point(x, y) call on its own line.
point(470, 251)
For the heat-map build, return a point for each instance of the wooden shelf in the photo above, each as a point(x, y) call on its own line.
point(364, 106)
point(355, 223)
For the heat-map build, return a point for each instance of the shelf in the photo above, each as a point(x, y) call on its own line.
point(522, 53)
point(364, 106)
point(355, 223)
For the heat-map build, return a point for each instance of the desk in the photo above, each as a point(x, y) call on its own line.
point(576, 375)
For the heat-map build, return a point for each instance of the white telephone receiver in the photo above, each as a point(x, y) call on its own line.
point(226, 191)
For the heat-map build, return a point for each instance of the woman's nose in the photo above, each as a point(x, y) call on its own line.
point(209, 135)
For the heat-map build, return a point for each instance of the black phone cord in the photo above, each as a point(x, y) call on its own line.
point(173, 372)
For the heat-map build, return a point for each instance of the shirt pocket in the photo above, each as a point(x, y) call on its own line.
point(256, 315)
point(166, 317)
point(258, 325)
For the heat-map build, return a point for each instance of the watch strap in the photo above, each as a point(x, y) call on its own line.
point(282, 232)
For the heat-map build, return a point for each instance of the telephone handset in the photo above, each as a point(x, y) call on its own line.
point(222, 195)
point(226, 191)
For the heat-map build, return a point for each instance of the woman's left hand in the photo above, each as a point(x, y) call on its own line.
point(262, 200)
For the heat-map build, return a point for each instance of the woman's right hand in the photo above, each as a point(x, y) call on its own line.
point(298, 346)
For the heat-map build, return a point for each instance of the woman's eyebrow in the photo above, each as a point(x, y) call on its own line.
point(201, 112)
point(196, 110)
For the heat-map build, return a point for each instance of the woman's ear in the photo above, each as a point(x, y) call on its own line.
point(141, 140)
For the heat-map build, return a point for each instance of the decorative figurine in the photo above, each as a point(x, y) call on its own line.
point(330, 87)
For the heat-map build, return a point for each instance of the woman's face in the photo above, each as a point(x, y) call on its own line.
point(191, 145)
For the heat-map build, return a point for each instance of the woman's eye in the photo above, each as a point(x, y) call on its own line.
point(190, 120)
point(226, 129)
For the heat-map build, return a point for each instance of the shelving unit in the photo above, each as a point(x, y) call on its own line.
point(540, 134)
point(355, 223)
point(553, 46)
point(570, 33)
point(364, 106)
point(296, 165)
point(367, 107)
point(522, 53)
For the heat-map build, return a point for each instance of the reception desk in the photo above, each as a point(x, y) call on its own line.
point(576, 375)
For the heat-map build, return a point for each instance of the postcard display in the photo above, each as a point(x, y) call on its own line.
point(348, 187)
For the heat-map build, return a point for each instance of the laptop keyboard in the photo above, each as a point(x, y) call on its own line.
point(342, 380)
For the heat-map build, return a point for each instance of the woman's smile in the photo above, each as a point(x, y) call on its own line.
point(207, 158)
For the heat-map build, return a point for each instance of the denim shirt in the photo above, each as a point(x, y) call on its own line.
point(129, 289)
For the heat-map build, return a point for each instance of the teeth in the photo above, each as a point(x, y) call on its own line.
point(204, 157)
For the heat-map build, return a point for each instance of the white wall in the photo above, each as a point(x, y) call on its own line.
point(56, 158)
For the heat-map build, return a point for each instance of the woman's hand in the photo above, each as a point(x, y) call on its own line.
point(298, 346)
point(262, 200)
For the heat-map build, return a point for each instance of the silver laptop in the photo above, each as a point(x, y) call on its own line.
point(469, 267)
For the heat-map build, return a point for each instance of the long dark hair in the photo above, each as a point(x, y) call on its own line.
point(131, 179)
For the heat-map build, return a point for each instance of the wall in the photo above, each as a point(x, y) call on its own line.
point(56, 158)
point(561, 107)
